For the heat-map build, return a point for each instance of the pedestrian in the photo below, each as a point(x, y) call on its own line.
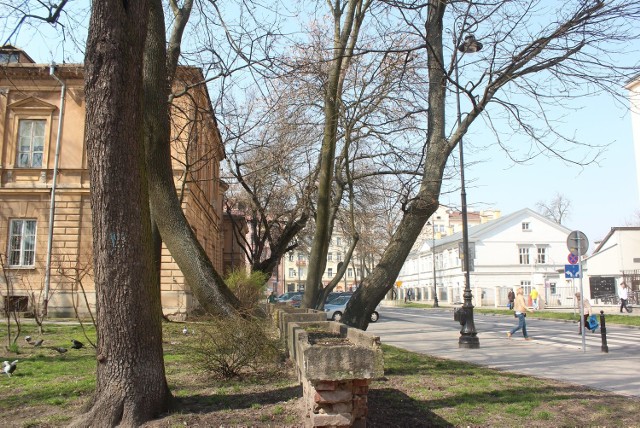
point(512, 297)
point(624, 296)
point(410, 294)
point(534, 298)
point(521, 310)
point(586, 313)
point(272, 297)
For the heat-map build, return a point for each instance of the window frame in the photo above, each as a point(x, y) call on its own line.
point(22, 251)
point(30, 109)
point(541, 255)
point(524, 252)
point(31, 153)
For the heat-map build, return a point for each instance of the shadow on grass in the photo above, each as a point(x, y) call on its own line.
point(199, 403)
point(390, 407)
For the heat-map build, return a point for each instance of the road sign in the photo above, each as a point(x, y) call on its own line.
point(398, 283)
point(573, 259)
point(577, 242)
point(572, 271)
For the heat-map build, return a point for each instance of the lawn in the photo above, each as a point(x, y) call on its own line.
point(48, 389)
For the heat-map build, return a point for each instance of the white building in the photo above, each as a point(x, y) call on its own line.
point(521, 249)
point(633, 86)
point(615, 259)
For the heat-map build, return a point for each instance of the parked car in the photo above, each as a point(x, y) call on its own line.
point(295, 300)
point(335, 294)
point(284, 298)
point(335, 309)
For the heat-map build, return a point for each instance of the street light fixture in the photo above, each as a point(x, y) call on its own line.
point(468, 334)
point(433, 256)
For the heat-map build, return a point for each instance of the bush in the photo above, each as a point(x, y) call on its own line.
point(248, 288)
point(244, 346)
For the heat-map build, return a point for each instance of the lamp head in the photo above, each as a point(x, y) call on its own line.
point(470, 44)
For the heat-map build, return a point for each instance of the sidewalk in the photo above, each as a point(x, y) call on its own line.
point(616, 371)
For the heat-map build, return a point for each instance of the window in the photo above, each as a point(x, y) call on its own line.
point(30, 143)
point(292, 272)
point(338, 241)
point(526, 287)
point(300, 257)
point(526, 226)
point(330, 272)
point(542, 255)
point(339, 257)
point(290, 257)
point(524, 255)
point(16, 304)
point(330, 256)
point(350, 272)
point(22, 243)
point(9, 57)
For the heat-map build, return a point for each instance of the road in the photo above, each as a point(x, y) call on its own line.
point(555, 352)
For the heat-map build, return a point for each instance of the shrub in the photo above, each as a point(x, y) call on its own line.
point(248, 288)
point(244, 346)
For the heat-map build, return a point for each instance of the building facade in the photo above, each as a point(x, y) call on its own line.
point(45, 213)
point(292, 275)
point(523, 249)
point(615, 259)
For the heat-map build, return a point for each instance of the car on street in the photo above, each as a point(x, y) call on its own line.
point(335, 309)
point(286, 297)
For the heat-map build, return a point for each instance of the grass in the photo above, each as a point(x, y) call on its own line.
point(550, 314)
point(48, 389)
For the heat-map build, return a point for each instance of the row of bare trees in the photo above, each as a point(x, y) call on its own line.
point(353, 116)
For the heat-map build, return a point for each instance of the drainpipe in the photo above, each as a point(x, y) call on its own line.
point(52, 204)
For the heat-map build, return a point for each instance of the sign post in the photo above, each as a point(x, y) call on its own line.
point(578, 244)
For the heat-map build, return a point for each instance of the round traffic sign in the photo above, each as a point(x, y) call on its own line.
point(577, 242)
point(573, 258)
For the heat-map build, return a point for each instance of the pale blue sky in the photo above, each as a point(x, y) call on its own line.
point(602, 196)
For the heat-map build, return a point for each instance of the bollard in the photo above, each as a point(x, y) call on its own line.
point(603, 333)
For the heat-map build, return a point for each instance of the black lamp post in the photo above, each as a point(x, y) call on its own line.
point(468, 334)
point(433, 256)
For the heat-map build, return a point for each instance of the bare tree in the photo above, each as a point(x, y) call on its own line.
point(131, 385)
point(557, 208)
point(561, 57)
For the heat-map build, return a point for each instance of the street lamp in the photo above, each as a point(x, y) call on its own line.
point(433, 256)
point(468, 334)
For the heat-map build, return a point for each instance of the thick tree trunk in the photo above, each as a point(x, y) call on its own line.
point(131, 386)
point(376, 285)
point(206, 284)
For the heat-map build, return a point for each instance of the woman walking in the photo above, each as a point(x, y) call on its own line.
point(521, 310)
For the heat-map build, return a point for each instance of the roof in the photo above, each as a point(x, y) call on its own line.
point(475, 232)
point(610, 234)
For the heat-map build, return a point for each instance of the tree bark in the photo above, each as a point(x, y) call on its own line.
point(376, 285)
point(200, 275)
point(131, 386)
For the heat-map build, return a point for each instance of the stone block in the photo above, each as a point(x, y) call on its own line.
point(330, 397)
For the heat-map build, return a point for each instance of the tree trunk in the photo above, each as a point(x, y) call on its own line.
point(200, 275)
point(131, 386)
point(376, 285)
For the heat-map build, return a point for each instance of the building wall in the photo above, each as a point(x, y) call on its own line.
point(633, 87)
point(497, 263)
point(27, 91)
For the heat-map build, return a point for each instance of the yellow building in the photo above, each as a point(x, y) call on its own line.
point(45, 216)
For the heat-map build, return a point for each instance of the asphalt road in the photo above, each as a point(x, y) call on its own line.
point(556, 351)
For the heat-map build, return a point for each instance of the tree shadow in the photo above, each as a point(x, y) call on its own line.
point(388, 407)
point(200, 403)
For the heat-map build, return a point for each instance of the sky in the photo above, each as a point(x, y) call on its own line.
point(602, 195)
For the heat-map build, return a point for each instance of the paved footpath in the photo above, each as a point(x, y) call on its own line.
point(432, 332)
